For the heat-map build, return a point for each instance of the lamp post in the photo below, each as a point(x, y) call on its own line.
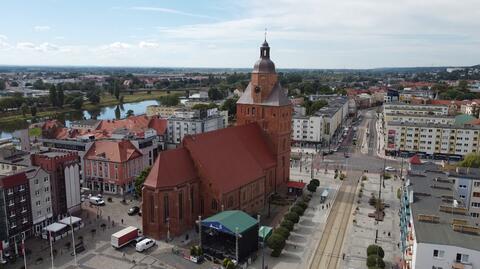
point(168, 229)
point(263, 243)
point(200, 231)
point(73, 242)
point(236, 244)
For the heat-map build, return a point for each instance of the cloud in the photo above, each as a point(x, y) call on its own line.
point(172, 11)
point(148, 45)
point(116, 46)
point(41, 28)
point(43, 47)
point(3, 42)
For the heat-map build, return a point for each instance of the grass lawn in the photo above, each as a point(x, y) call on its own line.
point(35, 132)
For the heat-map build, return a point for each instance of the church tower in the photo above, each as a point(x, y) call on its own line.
point(265, 102)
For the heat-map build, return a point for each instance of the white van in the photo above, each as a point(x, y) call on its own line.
point(144, 244)
point(96, 201)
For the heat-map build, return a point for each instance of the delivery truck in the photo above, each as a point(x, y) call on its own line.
point(124, 236)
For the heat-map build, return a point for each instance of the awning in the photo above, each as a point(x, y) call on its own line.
point(296, 185)
point(264, 232)
point(66, 220)
point(55, 227)
point(230, 221)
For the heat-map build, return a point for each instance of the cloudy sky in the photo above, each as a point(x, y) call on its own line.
point(227, 33)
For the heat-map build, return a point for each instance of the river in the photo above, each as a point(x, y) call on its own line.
point(103, 113)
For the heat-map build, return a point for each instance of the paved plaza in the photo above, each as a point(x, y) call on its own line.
point(362, 233)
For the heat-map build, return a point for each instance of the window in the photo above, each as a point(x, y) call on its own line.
point(476, 194)
point(191, 199)
point(46, 189)
point(474, 215)
point(180, 205)
point(462, 258)
point(214, 204)
point(166, 210)
point(230, 202)
point(36, 181)
point(475, 204)
point(438, 253)
point(10, 191)
point(45, 179)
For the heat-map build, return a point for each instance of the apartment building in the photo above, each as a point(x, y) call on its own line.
point(162, 111)
point(15, 208)
point(414, 109)
point(430, 139)
point(467, 186)
point(40, 198)
point(436, 230)
point(189, 122)
point(323, 125)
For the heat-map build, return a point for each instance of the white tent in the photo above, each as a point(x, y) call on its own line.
point(66, 220)
point(55, 227)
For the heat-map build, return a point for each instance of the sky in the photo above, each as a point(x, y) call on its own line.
point(228, 33)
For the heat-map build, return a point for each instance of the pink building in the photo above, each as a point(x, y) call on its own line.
point(112, 166)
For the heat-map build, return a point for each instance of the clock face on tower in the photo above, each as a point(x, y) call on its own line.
point(257, 89)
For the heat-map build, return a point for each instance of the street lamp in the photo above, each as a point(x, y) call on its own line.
point(263, 243)
point(73, 242)
point(168, 229)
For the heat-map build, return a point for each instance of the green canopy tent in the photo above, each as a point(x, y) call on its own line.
point(264, 233)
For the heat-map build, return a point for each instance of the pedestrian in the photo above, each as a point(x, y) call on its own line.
point(388, 234)
point(122, 221)
point(108, 218)
point(123, 255)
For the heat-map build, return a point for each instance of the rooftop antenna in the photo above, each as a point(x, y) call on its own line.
point(265, 34)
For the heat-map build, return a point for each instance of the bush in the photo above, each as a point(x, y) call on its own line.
point(287, 224)
point(364, 178)
point(375, 250)
point(276, 242)
point(292, 216)
point(342, 176)
point(196, 251)
point(306, 199)
point(315, 181)
point(228, 264)
point(387, 176)
point(302, 205)
point(375, 261)
point(297, 209)
point(282, 231)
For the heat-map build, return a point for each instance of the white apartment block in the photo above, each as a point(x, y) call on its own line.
point(188, 122)
point(432, 139)
point(414, 109)
point(323, 124)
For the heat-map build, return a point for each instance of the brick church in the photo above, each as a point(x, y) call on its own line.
point(232, 168)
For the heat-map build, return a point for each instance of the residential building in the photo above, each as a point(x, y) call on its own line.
point(40, 198)
point(436, 231)
point(188, 122)
point(432, 139)
point(111, 166)
point(162, 111)
point(64, 170)
point(324, 124)
point(15, 208)
point(190, 181)
point(467, 186)
point(414, 109)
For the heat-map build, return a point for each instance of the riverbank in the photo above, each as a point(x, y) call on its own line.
point(105, 101)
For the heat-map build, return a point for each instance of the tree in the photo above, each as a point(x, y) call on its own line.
point(204, 106)
point(2, 85)
point(471, 160)
point(33, 110)
point(302, 204)
point(228, 264)
point(117, 112)
point(77, 102)
point(60, 97)
point(375, 261)
point(39, 85)
point(140, 180)
point(170, 100)
point(276, 242)
point(283, 231)
point(24, 109)
point(129, 113)
point(292, 216)
point(287, 224)
point(230, 105)
point(297, 209)
point(116, 91)
point(52, 94)
point(375, 250)
point(311, 187)
point(215, 94)
point(13, 84)
point(316, 182)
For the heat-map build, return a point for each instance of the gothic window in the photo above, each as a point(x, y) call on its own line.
point(152, 209)
point(166, 210)
point(214, 204)
point(230, 202)
point(180, 205)
point(253, 111)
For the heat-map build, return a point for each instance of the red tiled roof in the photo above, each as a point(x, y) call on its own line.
point(133, 122)
point(115, 151)
point(296, 184)
point(230, 157)
point(415, 160)
point(172, 168)
point(159, 125)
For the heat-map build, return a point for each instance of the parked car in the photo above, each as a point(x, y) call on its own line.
point(138, 240)
point(133, 210)
point(144, 244)
point(94, 200)
point(390, 169)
